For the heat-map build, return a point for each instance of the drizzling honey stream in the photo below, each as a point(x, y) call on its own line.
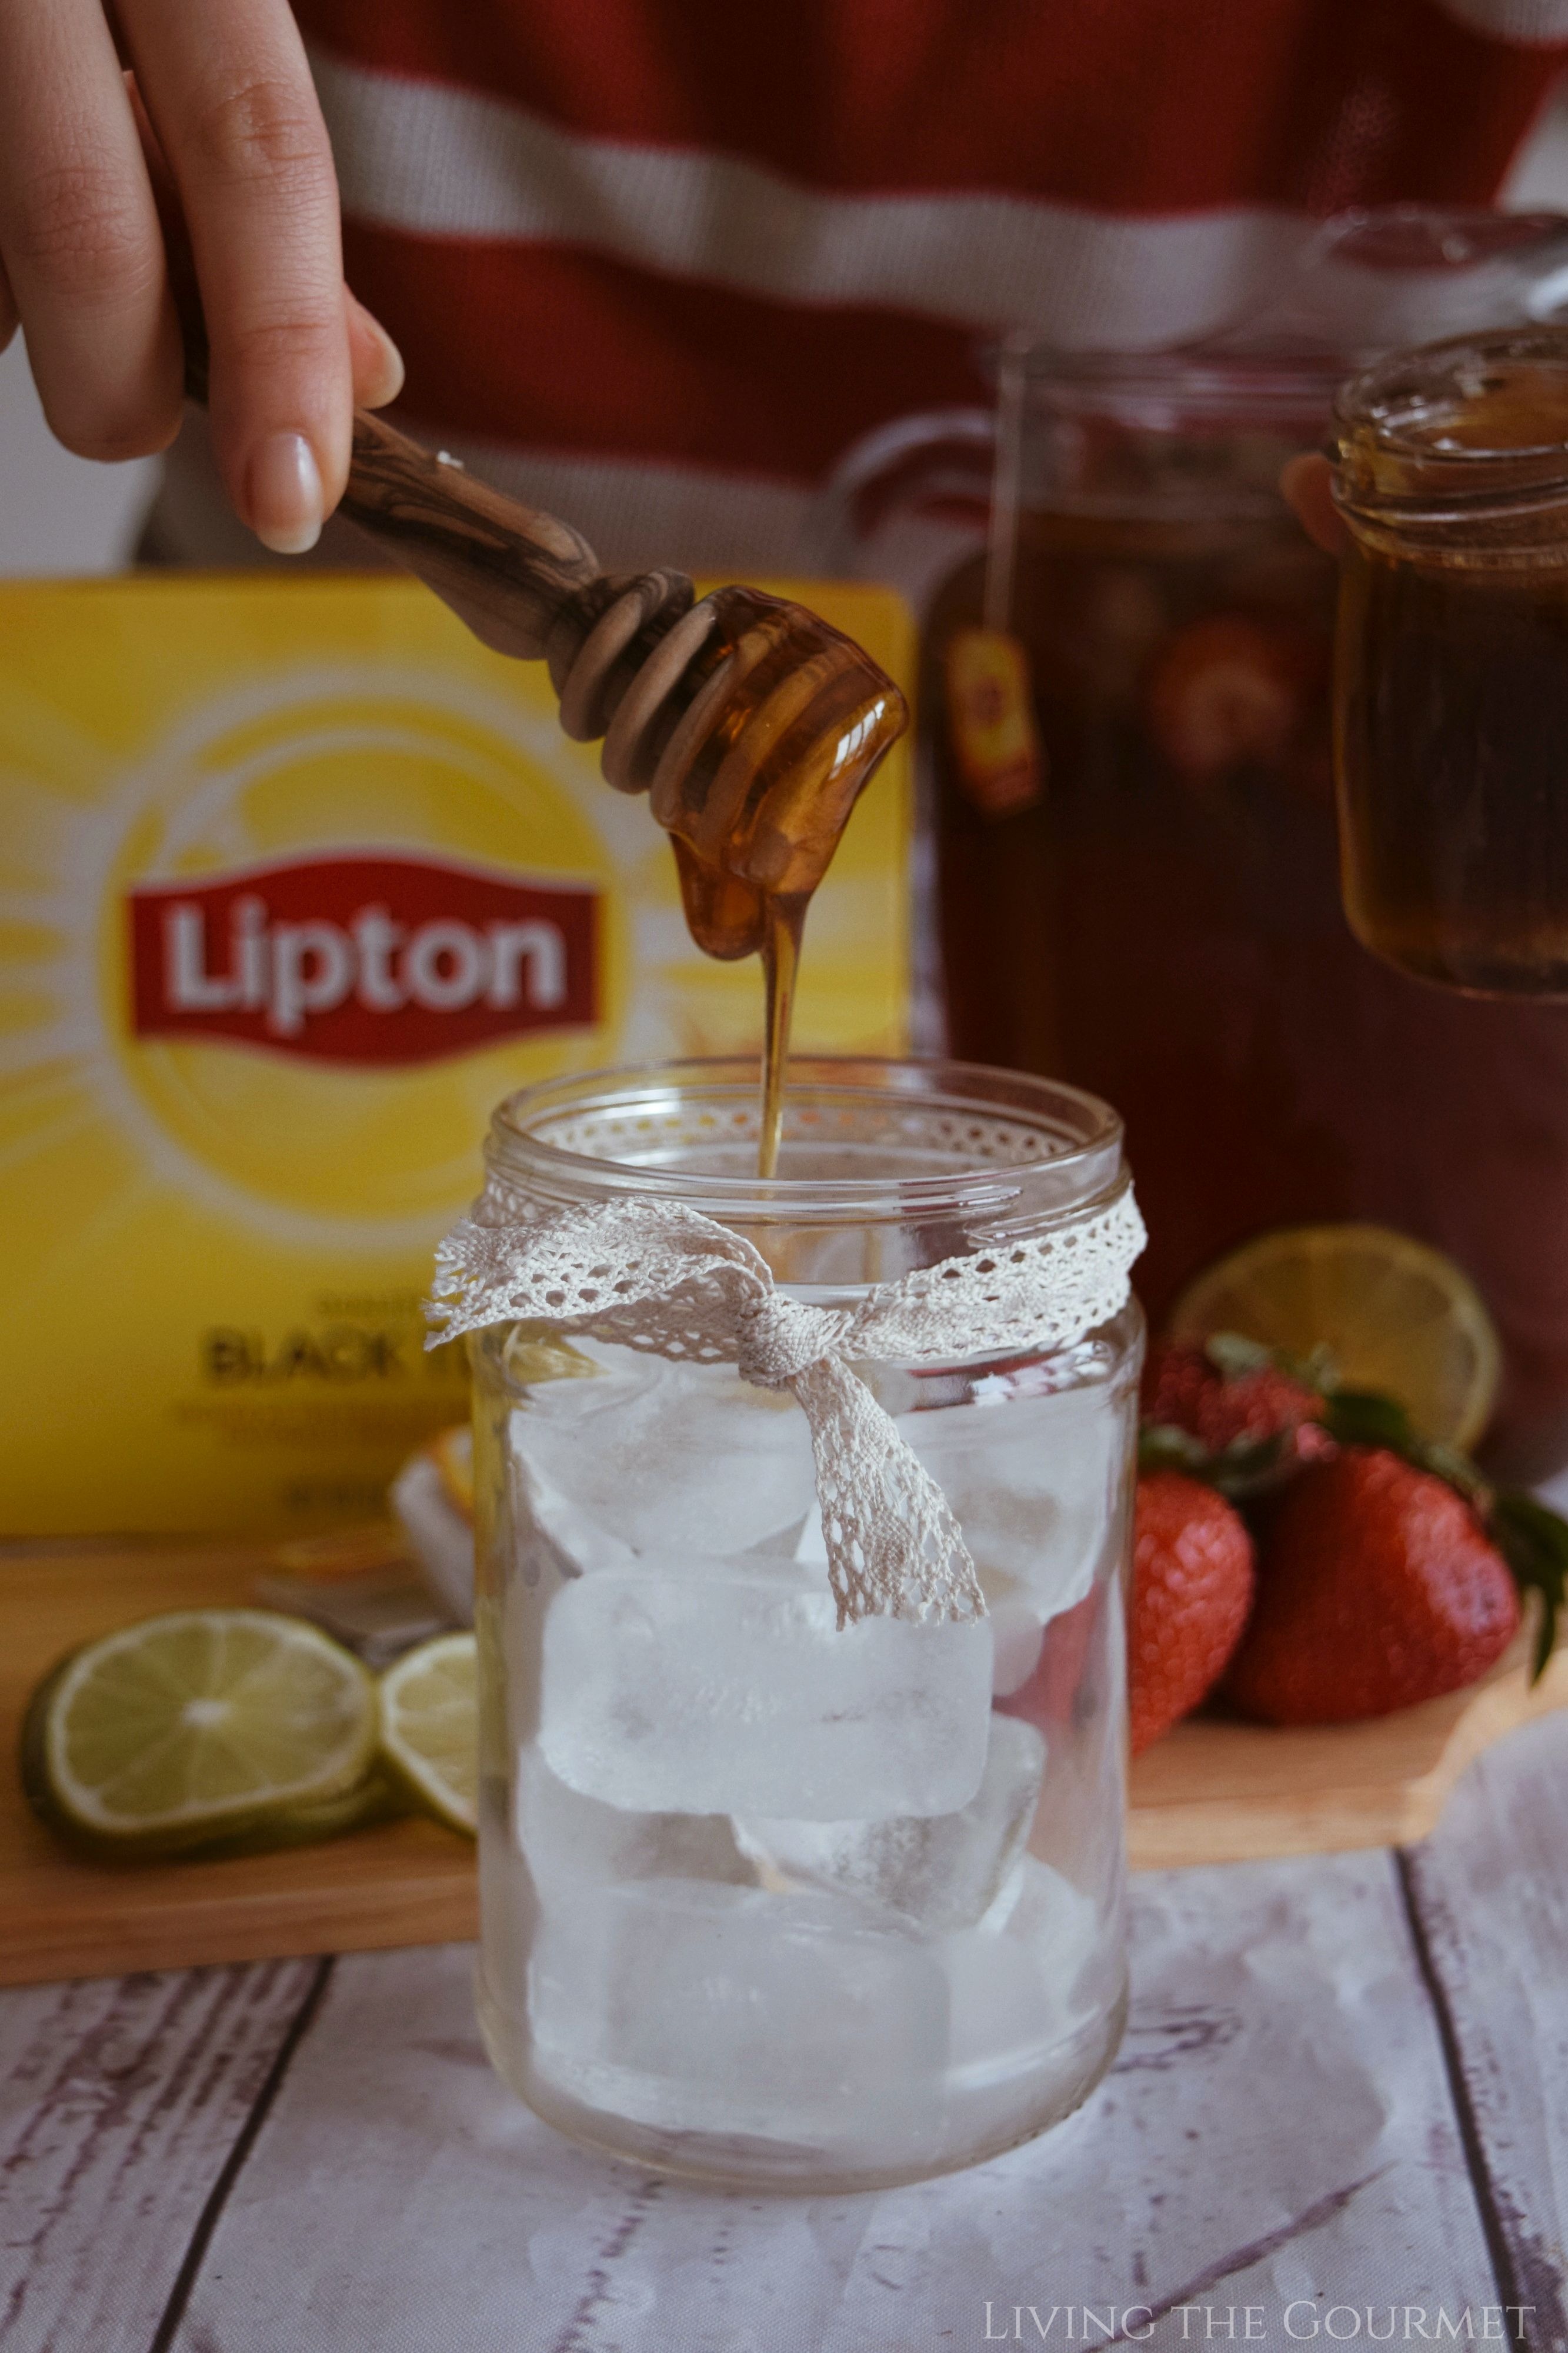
point(752, 725)
point(753, 768)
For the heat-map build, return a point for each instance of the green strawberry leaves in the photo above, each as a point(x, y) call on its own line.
point(1246, 1467)
point(1366, 1417)
point(1533, 1541)
point(1234, 1355)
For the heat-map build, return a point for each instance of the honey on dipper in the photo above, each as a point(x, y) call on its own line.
point(752, 725)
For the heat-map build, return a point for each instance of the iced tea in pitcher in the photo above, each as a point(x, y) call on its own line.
point(1161, 921)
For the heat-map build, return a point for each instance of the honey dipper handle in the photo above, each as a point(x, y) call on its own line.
point(505, 569)
point(508, 569)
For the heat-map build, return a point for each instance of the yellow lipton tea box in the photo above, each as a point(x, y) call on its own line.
point(298, 881)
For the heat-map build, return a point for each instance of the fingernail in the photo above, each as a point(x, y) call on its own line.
point(283, 489)
point(389, 382)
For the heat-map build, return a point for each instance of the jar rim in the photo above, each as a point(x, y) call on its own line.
point(1176, 380)
point(1070, 1154)
point(1429, 371)
point(1397, 463)
point(1179, 390)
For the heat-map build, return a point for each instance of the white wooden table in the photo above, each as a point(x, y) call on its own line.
point(1340, 2111)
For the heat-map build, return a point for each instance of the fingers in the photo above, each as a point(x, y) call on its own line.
point(230, 98)
point(1307, 485)
point(78, 233)
point(376, 360)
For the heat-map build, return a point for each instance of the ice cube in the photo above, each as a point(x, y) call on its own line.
point(811, 1545)
point(937, 1872)
point(726, 2010)
point(571, 1841)
point(739, 1693)
point(1033, 1481)
point(1025, 1978)
point(1017, 1619)
point(560, 1536)
point(1017, 1632)
point(675, 1459)
point(560, 1532)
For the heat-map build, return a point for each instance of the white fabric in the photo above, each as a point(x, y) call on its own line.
point(1528, 23)
point(656, 1275)
point(635, 515)
point(438, 161)
point(638, 514)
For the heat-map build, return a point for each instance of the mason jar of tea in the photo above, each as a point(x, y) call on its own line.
point(1451, 676)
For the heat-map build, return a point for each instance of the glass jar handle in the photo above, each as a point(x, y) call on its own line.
point(908, 500)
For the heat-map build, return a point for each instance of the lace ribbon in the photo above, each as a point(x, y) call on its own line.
point(654, 1275)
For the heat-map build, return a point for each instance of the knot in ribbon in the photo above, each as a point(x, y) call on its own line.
point(656, 1276)
point(778, 1339)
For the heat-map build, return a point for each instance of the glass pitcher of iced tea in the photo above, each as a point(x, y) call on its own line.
point(1149, 906)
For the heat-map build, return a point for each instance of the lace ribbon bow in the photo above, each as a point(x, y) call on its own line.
point(654, 1275)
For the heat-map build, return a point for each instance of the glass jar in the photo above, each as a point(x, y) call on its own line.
point(766, 1900)
point(1451, 676)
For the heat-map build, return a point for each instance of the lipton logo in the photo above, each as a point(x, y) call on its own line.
point(365, 957)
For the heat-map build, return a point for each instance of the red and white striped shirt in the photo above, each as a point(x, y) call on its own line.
point(658, 263)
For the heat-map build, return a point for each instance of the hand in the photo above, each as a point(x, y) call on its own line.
point(214, 134)
point(1306, 484)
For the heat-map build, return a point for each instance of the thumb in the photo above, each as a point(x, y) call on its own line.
point(375, 358)
point(1307, 486)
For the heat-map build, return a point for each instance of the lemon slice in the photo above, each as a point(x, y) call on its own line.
point(429, 1728)
point(201, 1726)
point(1394, 1315)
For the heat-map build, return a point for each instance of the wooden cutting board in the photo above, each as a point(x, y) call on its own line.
point(1211, 1793)
point(404, 1883)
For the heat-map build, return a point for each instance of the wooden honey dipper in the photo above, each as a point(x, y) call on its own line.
point(752, 724)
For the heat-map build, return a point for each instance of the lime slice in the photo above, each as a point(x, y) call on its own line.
point(429, 1728)
point(1394, 1315)
point(197, 1726)
point(377, 1799)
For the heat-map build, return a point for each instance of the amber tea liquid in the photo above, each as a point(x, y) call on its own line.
point(1451, 669)
point(1163, 927)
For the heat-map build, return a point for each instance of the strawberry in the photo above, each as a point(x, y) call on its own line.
point(1192, 1586)
point(1231, 691)
point(1229, 1412)
point(1187, 1387)
point(1056, 1688)
point(1379, 1588)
